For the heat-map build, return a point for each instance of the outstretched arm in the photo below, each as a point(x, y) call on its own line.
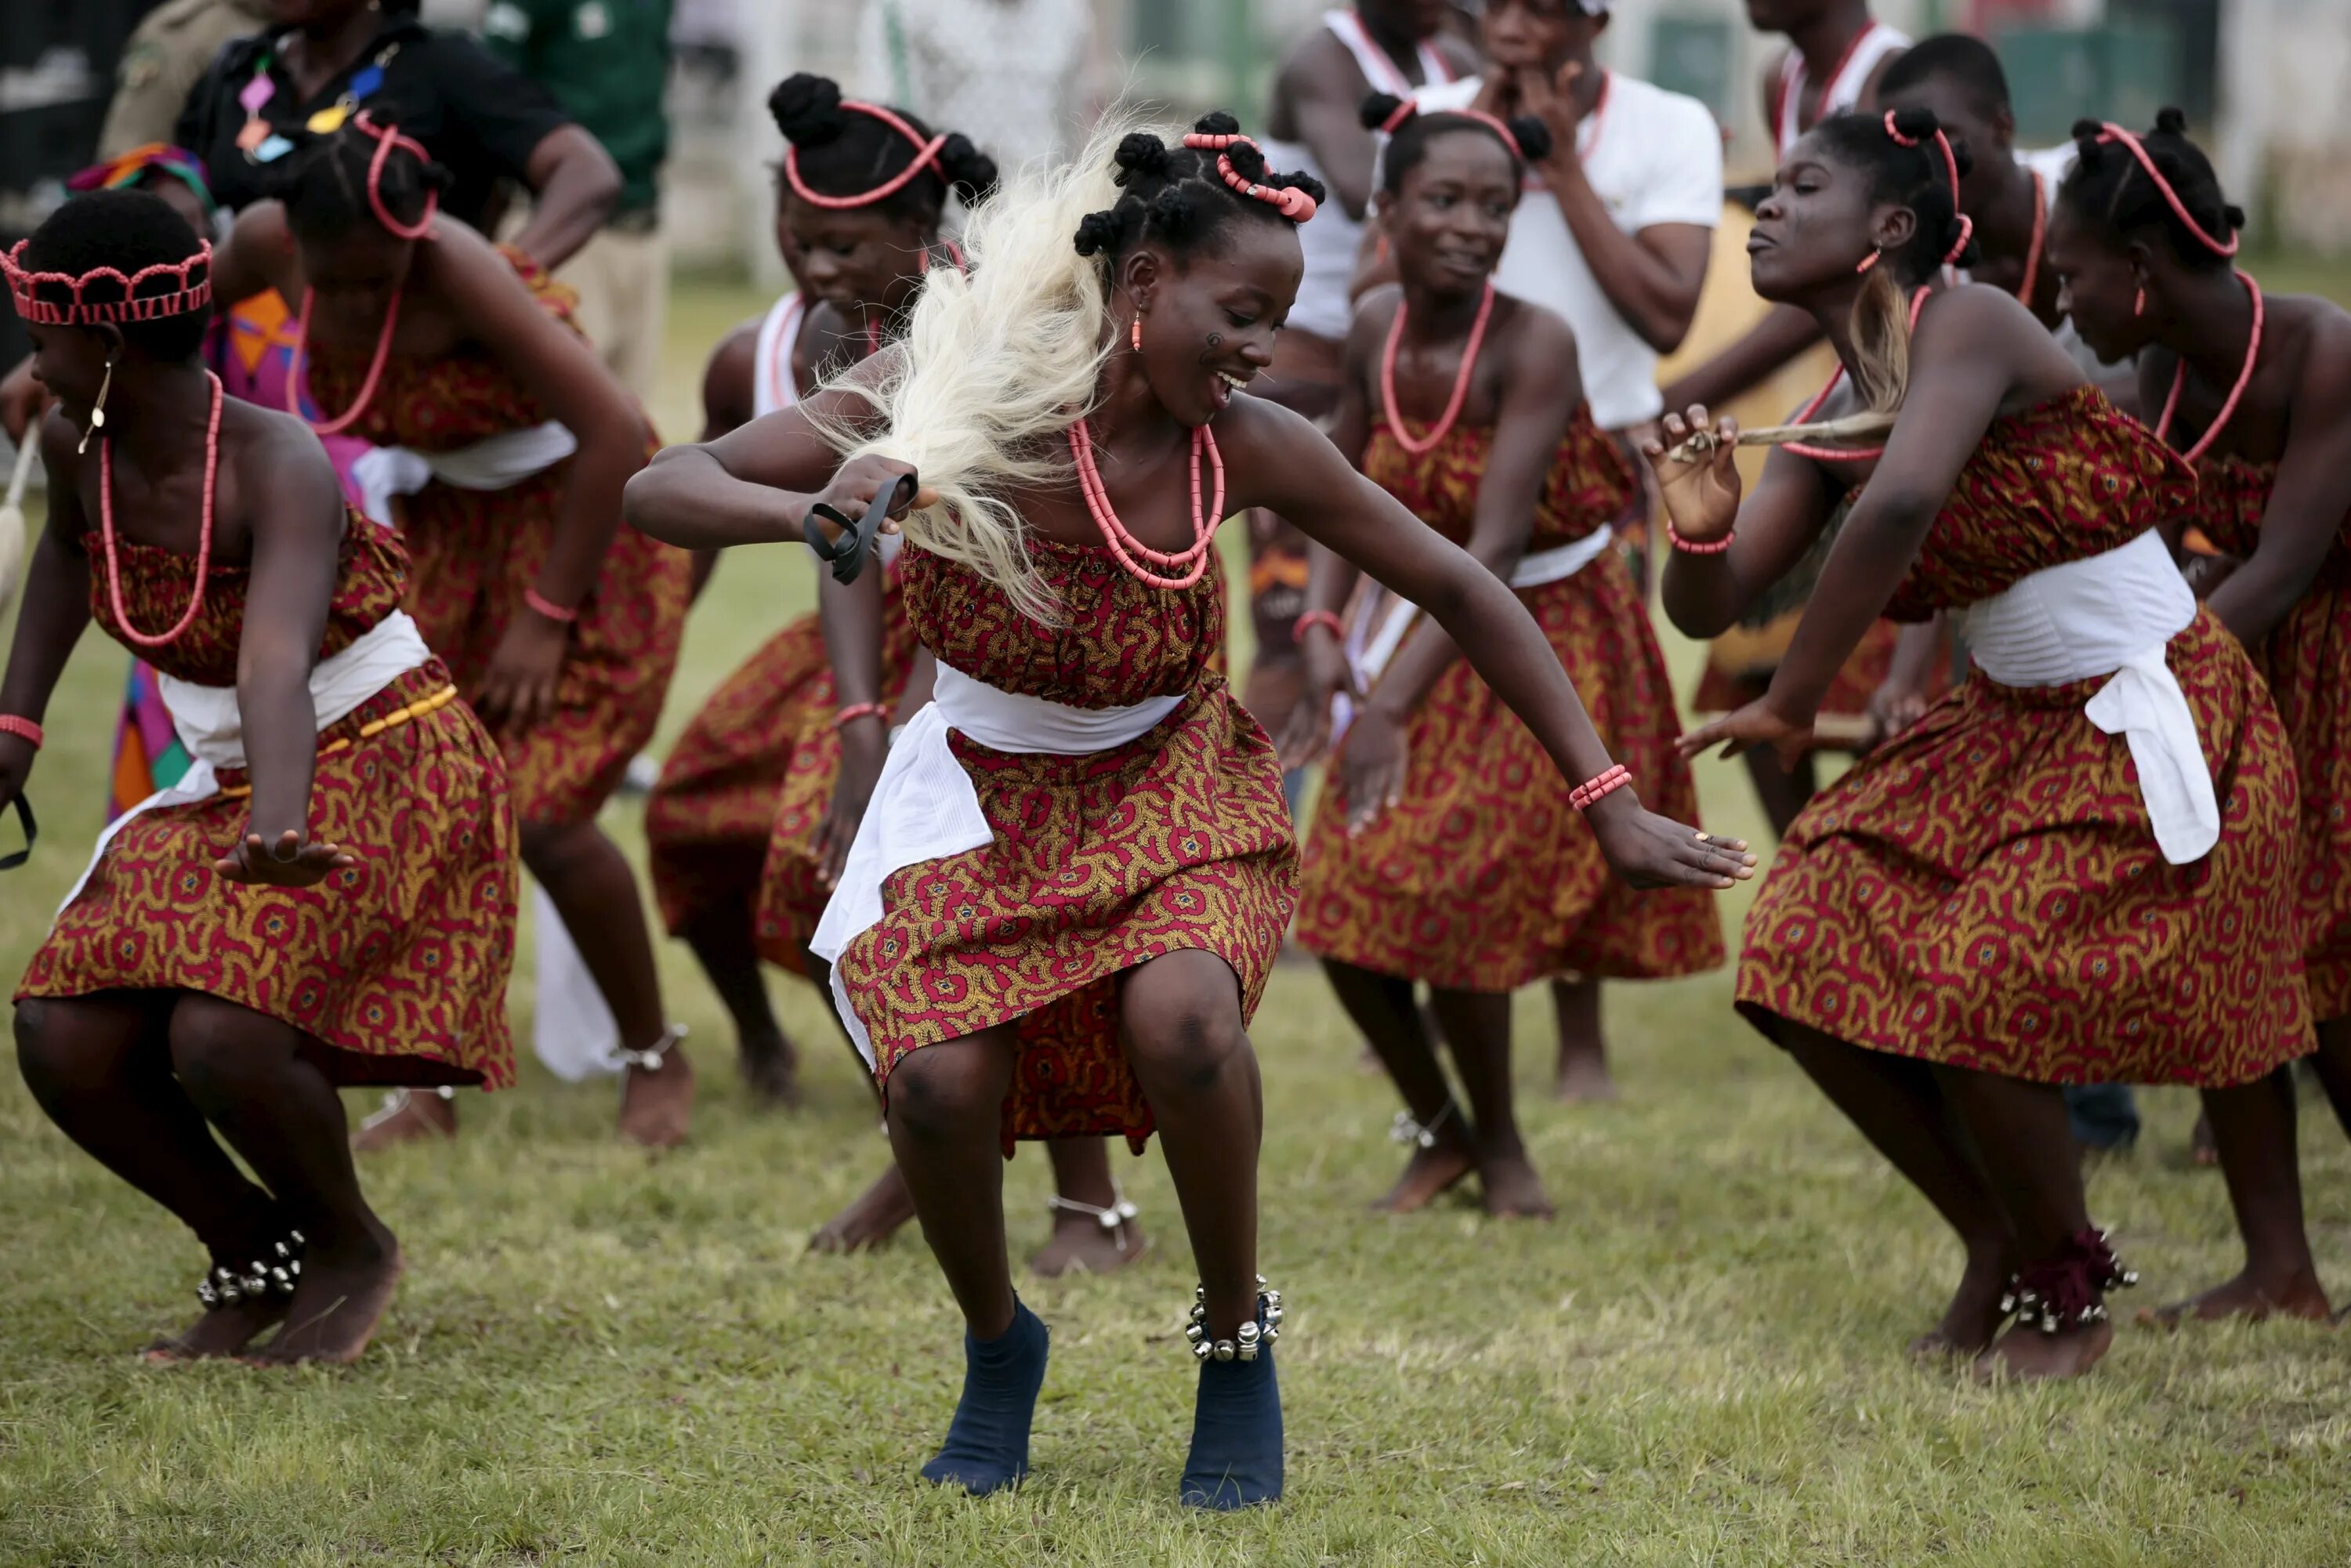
point(1278, 460)
point(2310, 499)
point(54, 608)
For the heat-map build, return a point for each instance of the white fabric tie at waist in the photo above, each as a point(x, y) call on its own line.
point(496, 463)
point(924, 807)
point(211, 725)
point(2112, 615)
point(1373, 640)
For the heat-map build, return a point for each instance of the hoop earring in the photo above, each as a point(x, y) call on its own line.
point(2138, 305)
point(1872, 259)
point(1135, 334)
point(97, 409)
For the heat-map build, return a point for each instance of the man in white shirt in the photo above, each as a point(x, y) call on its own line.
point(1612, 233)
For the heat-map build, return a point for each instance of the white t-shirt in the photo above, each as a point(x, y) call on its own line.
point(1653, 156)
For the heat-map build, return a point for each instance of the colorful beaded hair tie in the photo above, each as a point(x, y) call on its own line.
point(1408, 109)
point(926, 156)
point(194, 294)
point(1950, 167)
point(2108, 131)
point(1288, 200)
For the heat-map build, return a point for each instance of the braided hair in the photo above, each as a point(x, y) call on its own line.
point(1176, 197)
point(126, 229)
point(843, 154)
point(2113, 193)
point(1414, 129)
point(323, 183)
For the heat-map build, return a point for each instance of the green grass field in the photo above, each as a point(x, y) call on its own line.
point(601, 1357)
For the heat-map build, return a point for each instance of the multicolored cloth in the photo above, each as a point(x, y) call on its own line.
point(475, 552)
point(397, 966)
point(1178, 841)
point(1483, 878)
point(2306, 660)
point(1985, 890)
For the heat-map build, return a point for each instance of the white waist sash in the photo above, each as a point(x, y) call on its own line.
point(212, 728)
point(1373, 639)
point(496, 463)
point(924, 807)
point(2112, 615)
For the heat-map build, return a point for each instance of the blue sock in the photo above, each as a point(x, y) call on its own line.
point(987, 1443)
point(1236, 1458)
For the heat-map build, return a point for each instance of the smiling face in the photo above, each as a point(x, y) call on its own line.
point(863, 262)
point(1817, 224)
point(1209, 318)
point(2097, 287)
point(1449, 219)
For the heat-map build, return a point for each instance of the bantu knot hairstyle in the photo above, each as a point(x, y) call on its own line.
point(2136, 187)
point(325, 182)
point(1177, 196)
point(1411, 129)
point(848, 153)
point(128, 230)
point(1910, 161)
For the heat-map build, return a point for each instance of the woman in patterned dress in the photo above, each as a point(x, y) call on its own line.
point(1446, 853)
point(2256, 392)
point(2064, 871)
point(761, 795)
point(503, 444)
point(327, 897)
point(1066, 895)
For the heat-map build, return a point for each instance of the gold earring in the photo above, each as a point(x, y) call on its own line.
point(97, 409)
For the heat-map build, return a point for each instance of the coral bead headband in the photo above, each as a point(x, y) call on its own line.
point(2111, 133)
point(193, 293)
point(1289, 201)
point(926, 156)
point(1950, 167)
point(387, 137)
point(1408, 110)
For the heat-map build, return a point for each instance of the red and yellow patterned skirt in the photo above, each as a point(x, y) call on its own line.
point(1985, 891)
point(2306, 660)
point(1484, 878)
point(472, 553)
point(1178, 841)
point(396, 967)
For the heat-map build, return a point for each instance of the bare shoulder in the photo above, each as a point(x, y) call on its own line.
point(1257, 436)
point(737, 354)
point(276, 451)
point(1531, 329)
point(1967, 316)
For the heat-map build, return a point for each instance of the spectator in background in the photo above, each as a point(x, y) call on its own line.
point(607, 63)
point(1021, 77)
point(165, 56)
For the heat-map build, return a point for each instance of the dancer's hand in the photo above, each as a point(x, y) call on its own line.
point(864, 748)
point(295, 862)
point(1898, 703)
point(21, 401)
point(1759, 724)
point(1552, 100)
point(518, 688)
point(1646, 849)
point(1306, 733)
point(1702, 493)
point(856, 482)
point(1372, 765)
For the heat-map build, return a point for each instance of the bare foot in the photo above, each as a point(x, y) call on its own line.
point(2202, 1149)
point(407, 1114)
point(1513, 1189)
point(771, 1070)
point(222, 1330)
point(341, 1299)
point(2024, 1352)
point(872, 1219)
point(1974, 1316)
point(1082, 1244)
point(657, 1099)
point(2298, 1295)
point(1584, 1078)
point(1427, 1176)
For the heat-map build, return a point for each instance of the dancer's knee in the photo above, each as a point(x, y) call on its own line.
point(943, 1092)
point(219, 1046)
point(44, 1056)
point(1183, 1027)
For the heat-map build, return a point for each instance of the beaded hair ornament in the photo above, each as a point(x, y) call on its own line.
point(2111, 135)
point(1951, 167)
point(1289, 201)
point(194, 293)
point(388, 138)
point(1408, 109)
point(926, 156)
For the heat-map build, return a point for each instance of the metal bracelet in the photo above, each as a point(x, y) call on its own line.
point(1252, 1336)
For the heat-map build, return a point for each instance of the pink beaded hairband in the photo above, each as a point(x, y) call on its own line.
point(1288, 200)
point(192, 294)
point(387, 137)
point(1408, 110)
point(1951, 167)
point(2108, 131)
point(927, 155)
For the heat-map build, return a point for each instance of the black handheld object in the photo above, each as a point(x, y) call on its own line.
point(847, 554)
point(32, 832)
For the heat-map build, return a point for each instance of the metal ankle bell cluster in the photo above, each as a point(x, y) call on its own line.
point(1404, 1130)
point(2061, 1292)
point(273, 1275)
point(1114, 1219)
point(650, 1060)
point(1247, 1340)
